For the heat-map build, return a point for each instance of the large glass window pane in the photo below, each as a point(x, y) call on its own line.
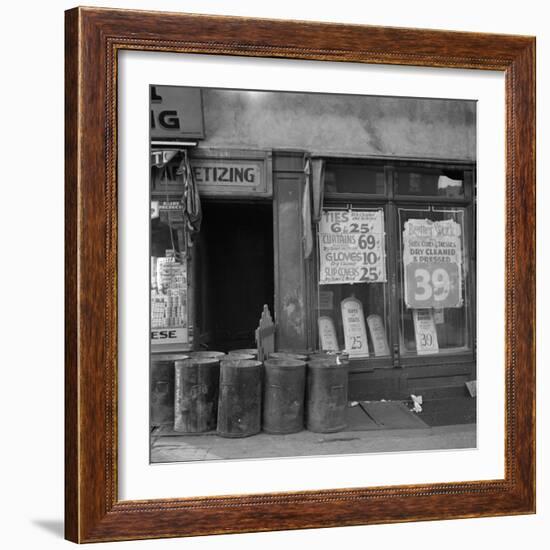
point(434, 281)
point(430, 182)
point(353, 291)
point(169, 284)
point(353, 178)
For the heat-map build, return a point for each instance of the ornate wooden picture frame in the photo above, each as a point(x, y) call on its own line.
point(94, 37)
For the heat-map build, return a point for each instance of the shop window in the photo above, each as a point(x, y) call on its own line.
point(437, 183)
point(169, 276)
point(395, 272)
point(353, 291)
point(350, 178)
point(434, 297)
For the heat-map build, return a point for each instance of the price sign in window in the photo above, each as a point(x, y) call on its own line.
point(432, 258)
point(434, 274)
point(351, 247)
point(355, 331)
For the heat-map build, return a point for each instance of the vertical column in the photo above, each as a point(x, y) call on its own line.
point(291, 308)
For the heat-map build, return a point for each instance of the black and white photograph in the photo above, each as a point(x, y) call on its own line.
point(313, 274)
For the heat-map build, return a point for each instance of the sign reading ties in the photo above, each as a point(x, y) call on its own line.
point(355, 332)
point(351, 247)
point(432, 263)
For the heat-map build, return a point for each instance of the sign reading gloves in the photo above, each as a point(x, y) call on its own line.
point(351, 247)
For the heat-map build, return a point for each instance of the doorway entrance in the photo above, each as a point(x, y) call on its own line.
point(235, 272)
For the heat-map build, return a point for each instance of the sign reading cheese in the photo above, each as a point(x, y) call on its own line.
point(351, 247)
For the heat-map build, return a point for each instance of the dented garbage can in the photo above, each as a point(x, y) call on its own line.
point(326, 396)
point(288, 355)
point(247, 351)
point(240, 399)
point(284, 394)
point(196, 394)
point(161, 383)
point(207, 354)
point(234, 356)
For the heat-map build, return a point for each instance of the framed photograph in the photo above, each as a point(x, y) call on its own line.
point(300, 275)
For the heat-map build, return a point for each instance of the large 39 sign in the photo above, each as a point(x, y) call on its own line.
point(432, 262)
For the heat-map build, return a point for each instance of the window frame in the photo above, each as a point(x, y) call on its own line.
point(391, 201)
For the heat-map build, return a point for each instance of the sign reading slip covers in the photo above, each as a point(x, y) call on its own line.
point(432, 263)
point(351, 247)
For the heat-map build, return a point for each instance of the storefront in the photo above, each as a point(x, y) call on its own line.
point(356, 231)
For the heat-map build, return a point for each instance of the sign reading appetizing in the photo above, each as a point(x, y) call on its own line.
point(432, 263)
point(351, 247)
point(224, 176)
point(222, 172)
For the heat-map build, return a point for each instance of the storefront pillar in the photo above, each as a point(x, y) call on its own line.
point(291, 304)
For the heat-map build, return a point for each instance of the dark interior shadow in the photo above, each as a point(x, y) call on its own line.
point(54, 526)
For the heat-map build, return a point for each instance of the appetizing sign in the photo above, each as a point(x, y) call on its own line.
point(222, 172)
point(424, 331)
point(223, 176)
point(355, 332)
point(327, 334)
point(432, 263)
point(351, 247)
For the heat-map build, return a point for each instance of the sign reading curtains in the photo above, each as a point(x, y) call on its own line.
point(351, 247)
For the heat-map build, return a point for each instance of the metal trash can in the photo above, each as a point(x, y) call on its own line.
point(161, 385)
point(288, 355)
point(247, 351)
point(207, 354)
point(240, 401)
point(234, 356)
point(338, 358)
point(284, 393)
point(326, 396)
point(196, 395)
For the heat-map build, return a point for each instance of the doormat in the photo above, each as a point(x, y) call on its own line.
point(358, 421)
point(392, 415)
point(449, 411)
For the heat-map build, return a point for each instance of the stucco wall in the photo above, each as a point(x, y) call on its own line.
point(341, 124)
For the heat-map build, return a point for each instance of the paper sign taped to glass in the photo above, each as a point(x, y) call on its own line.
point(355, 331)
point(432, 264)
point(351, 247)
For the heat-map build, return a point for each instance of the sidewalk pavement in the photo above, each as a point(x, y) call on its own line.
point(180, 448)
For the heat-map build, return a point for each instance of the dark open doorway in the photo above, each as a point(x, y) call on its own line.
point(235, 272)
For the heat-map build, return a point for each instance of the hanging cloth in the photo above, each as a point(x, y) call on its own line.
point(318, 187)
point(306, 212)
point(191, 202)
